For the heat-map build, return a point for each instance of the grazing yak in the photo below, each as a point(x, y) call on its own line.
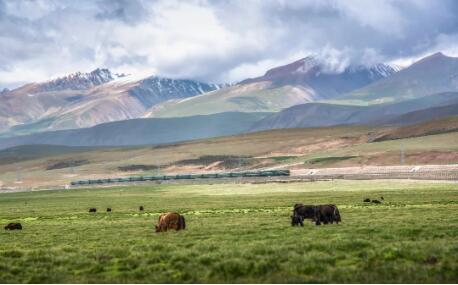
point(301, 212)
point(376, 201)
point(327, 214)
point(170, 221)
point(367, 200)
point(297, 220)
point(141, 208)
point(92, 210)
point(13, 226)
point(317, 213)
point(108, 209)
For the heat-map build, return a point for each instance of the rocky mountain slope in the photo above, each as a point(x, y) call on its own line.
point(87, 99)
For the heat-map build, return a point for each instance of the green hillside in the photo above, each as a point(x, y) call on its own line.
point(255, 97)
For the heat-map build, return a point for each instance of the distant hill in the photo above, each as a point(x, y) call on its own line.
point(423, 115)
point(432, 142)
point(143, 131)
point(34, 151)
point(321, 114)
point(433, 74)
point(431, 127)
point(305, 80)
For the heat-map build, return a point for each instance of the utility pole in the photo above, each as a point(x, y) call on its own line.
point(402, 154)
point(18, 174)
point(240, 166)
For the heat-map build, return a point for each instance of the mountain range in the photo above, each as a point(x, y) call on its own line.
point(305, 80)
point(103, 108)
point(88, 99)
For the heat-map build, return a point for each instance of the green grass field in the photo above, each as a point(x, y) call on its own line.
point(235, 233)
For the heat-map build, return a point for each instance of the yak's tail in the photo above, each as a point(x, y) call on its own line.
point(181, 223)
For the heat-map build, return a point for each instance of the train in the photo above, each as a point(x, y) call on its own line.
point(265, 173)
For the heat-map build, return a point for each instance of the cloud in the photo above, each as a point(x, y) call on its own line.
point(216, 41)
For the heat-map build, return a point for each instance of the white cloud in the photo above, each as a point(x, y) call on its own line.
point(211, 40)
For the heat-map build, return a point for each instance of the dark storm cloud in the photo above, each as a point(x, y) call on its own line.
point(215, 40)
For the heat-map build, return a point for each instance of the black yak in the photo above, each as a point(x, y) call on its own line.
point(327, 214)
point(13, 226)
point(302, 212)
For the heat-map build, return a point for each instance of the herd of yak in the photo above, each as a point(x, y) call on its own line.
point(318, 214)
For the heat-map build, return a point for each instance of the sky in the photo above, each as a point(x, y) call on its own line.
point(215, 41)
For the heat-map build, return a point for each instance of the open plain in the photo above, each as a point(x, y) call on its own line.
point(235, 233)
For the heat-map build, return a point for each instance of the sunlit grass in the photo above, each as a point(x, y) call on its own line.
point(235, 233)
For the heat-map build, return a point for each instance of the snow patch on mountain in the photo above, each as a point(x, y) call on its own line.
point(80, 81)
point(306, 64)
point(155, 89)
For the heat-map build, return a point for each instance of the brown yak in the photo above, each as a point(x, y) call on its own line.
point(169, 221)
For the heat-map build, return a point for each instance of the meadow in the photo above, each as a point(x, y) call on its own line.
point(235, 233)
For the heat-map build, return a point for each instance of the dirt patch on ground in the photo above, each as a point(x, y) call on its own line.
point(327, 144)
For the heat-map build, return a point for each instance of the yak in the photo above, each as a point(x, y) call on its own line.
point(92, 210)
point(327, 214)
point(108, 209)
point(13, 226)
point(141, 208)
point(297, 220)
point(168, 221)
point(302, 212)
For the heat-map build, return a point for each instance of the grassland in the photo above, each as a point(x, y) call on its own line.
point(235, 233)
point(431, 143)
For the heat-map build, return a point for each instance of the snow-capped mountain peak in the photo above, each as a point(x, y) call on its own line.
point(80, 81)
point(306, 64)
point(383, 70)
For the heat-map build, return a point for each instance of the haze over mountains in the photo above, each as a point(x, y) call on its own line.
point(305, 93)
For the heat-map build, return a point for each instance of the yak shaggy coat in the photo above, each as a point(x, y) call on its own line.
point(169, 221)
